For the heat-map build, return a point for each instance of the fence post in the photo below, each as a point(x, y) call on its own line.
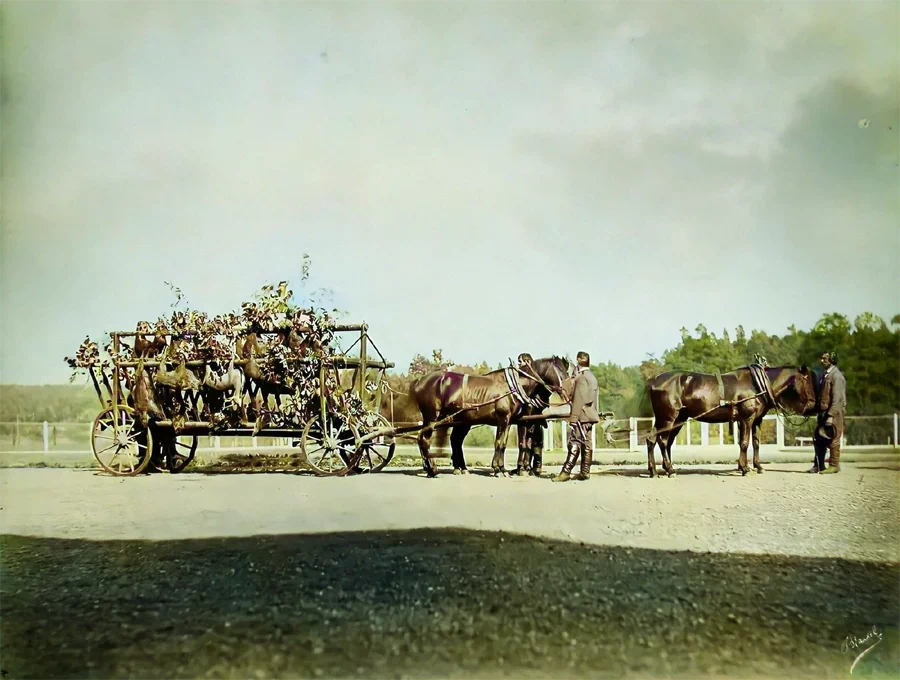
point(687, 433)
point(734, 432)
point(633, 435)
point(895, 429)
point(721, 434)
point(779, 432)
point(254, 442)
point(704, 434)
point(53, 437)
point(46, 429)
point(564, 435)
point(550, 436)
point(217, 442)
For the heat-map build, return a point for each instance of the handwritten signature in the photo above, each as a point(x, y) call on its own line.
point(851, 642)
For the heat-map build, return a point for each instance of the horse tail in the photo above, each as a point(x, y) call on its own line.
point(440, 437)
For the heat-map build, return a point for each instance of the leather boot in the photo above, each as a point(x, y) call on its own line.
point(537, 459)
point(587, 460)
point(566, 474)
point(835, 466)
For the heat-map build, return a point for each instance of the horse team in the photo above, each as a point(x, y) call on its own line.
point(456, 401)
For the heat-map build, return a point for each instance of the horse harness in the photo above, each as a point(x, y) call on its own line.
point(518, 393)
point(762, 383)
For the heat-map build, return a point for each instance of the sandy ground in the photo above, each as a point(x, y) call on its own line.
point(707, 574)
point(853, 514)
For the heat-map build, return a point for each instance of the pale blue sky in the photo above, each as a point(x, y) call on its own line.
point(483, 178)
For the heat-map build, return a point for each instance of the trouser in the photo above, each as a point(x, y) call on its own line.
point(580, 445)
point(822, 445)
point(536, 447)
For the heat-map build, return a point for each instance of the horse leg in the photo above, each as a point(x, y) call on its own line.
point(498, 464)
point(424, 441)
point(744, 428)
point(652, 439)
point(667, 453)
point(658, 435)
point(523, 463)
point(755, 432)
point(457, 437)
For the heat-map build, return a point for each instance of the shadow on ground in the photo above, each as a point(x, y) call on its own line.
point(433, 603)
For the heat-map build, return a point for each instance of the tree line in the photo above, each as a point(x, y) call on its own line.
point(868, 349)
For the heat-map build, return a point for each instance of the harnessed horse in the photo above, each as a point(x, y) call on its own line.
point(463, 400)
point(744, 396)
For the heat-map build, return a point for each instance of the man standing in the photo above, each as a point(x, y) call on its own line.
point(832, 404)
point(531, 435)
point(581, 421)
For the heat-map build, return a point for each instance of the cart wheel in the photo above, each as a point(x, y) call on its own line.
point(121, 446)
point(332, 450)
point(376, 453)
point(180, 452)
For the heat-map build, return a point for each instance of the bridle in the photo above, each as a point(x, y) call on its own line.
point(559, 391)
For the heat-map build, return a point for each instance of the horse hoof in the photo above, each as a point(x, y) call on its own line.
point(759, 470)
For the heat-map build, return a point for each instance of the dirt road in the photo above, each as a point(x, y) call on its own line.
point(268, 575)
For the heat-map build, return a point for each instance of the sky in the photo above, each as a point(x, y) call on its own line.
point(484, 178)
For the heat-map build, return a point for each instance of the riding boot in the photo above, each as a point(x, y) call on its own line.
point(835, 466)
point(537, 458)
point(587, 459)
point(566, 474)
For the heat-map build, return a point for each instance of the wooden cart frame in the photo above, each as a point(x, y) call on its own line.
point(330, 445)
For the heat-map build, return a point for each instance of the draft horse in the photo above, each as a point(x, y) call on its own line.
point(497, 398)
point(737, 396)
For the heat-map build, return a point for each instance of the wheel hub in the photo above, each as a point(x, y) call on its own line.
point(122, 438)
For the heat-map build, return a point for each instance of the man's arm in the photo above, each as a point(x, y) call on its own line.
point(825, 396)
point(838, 396)
point(579, 399)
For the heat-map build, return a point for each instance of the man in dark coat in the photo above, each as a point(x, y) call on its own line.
point(831, 407)
point(531, 435)
point(582, 419)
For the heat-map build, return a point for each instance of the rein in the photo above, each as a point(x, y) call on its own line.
point(537, 378)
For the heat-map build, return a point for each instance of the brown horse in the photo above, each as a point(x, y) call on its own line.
point(677, 396)
point(493, 399)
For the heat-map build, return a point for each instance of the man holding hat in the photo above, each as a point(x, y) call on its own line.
point(832, 404)
point(581, 421)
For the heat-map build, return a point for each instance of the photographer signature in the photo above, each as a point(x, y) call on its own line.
point(851, 642)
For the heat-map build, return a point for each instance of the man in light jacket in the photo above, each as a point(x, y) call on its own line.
point(582, 419)
point(832, 405)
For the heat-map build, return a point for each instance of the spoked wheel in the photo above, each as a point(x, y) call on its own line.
point(331, 448)
point(376, 453)
point(121, 444)
point(180, 452)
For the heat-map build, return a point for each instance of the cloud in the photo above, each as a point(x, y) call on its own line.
point(478, 177)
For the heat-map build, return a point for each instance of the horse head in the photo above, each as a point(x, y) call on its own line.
point(801, 391)
point(555, 374)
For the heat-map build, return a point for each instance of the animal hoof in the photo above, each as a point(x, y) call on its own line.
point(759, 470)
point(457, 471)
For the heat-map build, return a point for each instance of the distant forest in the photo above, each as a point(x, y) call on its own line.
point(868, 349)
